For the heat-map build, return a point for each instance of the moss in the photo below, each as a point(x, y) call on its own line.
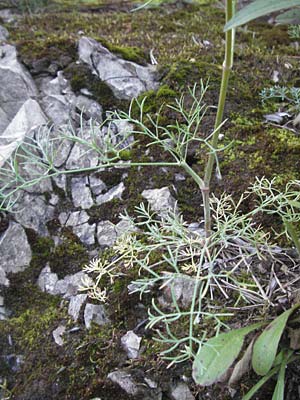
point(81, 77)
point(68, 257)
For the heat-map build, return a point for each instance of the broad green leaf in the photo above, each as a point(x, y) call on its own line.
point(265, 347)
point(279, 388)
point(290, 17)
point(257, 9)
point(218, 354)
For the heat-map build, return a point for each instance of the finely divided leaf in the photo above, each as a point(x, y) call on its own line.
point(265, 347)
point(218, 354)
point(258, 8)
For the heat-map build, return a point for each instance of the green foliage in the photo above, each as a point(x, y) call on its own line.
point(288, 97)
point(259, 8)
point(217, 355)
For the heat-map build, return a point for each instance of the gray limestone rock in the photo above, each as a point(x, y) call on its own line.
point(14, 249)
point(106, 233)
point(47, 280)
point(183, 289)
point(160, 200)
point(78, 221)
point(113, 193)
point(125, 381)
point(3, 33)
point(3, 279)
point(126, 79)
point(81, 193)
point(23, 123)
point(16, 85)
point(95, 313)
point(58, 333)
point(88, 108)
point(97, 186)
point(33, 212)
point(133, 388)
point(131, 344)
point(81, 156)
point(181, 391)
point(75, 305)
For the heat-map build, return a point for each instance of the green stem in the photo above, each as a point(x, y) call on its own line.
point(293, 234)
point(227, 66)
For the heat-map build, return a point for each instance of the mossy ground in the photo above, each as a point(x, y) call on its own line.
point(176, 33)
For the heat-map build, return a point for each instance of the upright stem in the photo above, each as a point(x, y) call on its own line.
point(293, 234)
point(227, 66)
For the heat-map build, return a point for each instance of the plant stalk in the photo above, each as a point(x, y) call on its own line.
point(227, 67)
point(293, 234)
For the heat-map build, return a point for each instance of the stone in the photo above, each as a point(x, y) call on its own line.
point(3, 33)
point(125, 381)
point(97, 186)
point(183, 290)
point(106, 233)
point(133, 388)
point(82, 156)
point(125, 78)
point(78, 221)
point(15, 250)
point(160, 200)
point(90, 109)
point(3, 279)
point(16, 85)
point(81, 193)
point(47, 280)
point(75, 305)
point(94, 313)
point(114, 193)
point(131, 344)
point(181, 391)
point(22, 124)
point(33, 212)
point(58, 333)
point(119, 132)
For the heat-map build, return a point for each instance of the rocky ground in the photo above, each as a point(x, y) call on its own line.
point(61, 65)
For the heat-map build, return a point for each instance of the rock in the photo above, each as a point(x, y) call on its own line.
point(126, 79)
point(181, 391)
point(68, 287)
point(81, 194)
point(88, 108)
point(113, 193)
point(14, 249)
point(3, 280)
point(119, 132)
point(131, 344)
point(160, 200)
point(3, 33)
point(57, 98)
point(16, 85)
point(24, 122)
point(97, 185)
point(136, 389)
point(75, 305)
point(183, 290)
point(32, 212)
point(78, 221)
point(47, 280)
point(94, 313)
point(58, 333)
point(82, 156)
point(125, 381)
point(106, 233)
